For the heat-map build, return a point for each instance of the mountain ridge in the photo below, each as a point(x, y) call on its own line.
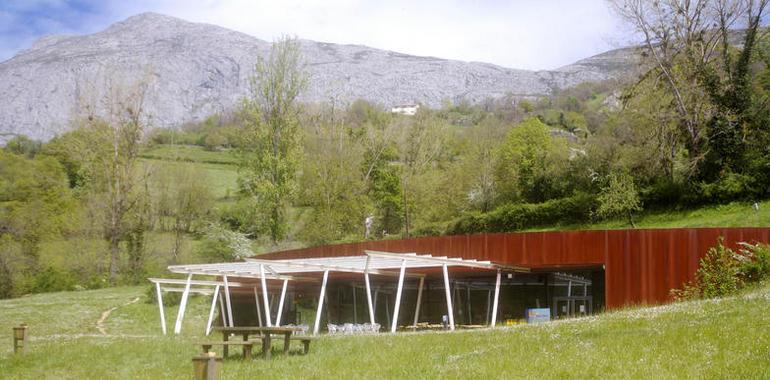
point(200, 69)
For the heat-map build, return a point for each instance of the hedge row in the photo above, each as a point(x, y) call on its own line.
point(515, 217)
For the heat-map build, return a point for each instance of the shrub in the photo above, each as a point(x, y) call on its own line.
point(169, 298)
point(756, 266)
point(221, 244)
point(723, 271)
point(51, 280)
point(514, 217)
point(214, 141)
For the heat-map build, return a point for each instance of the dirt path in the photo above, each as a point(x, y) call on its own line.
point(106, 314)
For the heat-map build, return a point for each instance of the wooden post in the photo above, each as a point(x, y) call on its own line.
point(20, 335)
point(207, 366)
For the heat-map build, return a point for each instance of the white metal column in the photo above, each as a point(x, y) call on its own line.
point(369, 291)
point(280, 303)
point(222, 310)
point(259, 310)
point(400, 288)
point(228, 305)
point(448, 299)
point(160, 307)
point(419, 301)
point(497, 299)
point(213, 307)
point(183, 305)
point(316, 326)
point(264, 295)
point(355, 306)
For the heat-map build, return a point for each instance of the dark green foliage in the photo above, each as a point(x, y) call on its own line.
point(385, 190)
point(23, 145)
point(52, 280)
point(514, 217)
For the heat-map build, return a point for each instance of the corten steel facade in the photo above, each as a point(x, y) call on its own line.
point(641, 266)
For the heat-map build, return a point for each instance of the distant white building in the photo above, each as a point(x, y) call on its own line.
point(406, 109)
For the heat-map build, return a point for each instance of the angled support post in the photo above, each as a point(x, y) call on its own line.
point(259, 310)
point(213, 307)
point(280, 303)
point(419, 302)
point(316, 326)
point(369, 291)
point(264, 295)
point(228, 305)
point(222, 310)
point(160, 308)
point(450, 312)
point(399, 290)
point(183, 305)
point(497, 299)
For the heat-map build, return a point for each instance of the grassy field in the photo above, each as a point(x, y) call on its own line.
point(189, 153)
point(737, 214)
point(726, 338)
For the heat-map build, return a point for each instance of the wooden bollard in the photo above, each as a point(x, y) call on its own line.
point(20, 338)
point(207, 366)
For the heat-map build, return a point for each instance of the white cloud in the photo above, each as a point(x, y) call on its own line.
point(519, 33)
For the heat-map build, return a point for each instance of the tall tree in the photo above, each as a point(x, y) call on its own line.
point(682, 40)
point(332, 183)
point(530, 161)
point(271, 140)
point(36, 204)
point(420, 144)
point(109, 155)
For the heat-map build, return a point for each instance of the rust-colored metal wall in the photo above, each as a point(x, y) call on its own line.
point(641, 266)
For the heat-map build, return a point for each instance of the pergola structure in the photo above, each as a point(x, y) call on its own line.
point(285, 270)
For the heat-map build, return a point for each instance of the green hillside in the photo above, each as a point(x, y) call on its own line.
point(724, 338)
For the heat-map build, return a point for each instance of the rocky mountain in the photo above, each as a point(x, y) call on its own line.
point(194, 70)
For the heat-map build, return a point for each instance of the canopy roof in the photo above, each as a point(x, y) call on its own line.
point(373, 262)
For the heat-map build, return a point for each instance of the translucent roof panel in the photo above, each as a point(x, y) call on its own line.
point(374, 262)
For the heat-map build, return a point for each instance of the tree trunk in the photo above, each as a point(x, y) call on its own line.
point(631, 220)
point(114, 257)
point(406, 210)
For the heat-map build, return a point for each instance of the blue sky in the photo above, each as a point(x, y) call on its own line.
point(527, 34)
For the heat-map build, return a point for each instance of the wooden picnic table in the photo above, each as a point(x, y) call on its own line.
point(263, 332)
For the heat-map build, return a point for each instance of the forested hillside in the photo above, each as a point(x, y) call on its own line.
point(115, 200)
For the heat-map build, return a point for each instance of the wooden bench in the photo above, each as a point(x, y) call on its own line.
point(305, 342)
point(247, 346)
